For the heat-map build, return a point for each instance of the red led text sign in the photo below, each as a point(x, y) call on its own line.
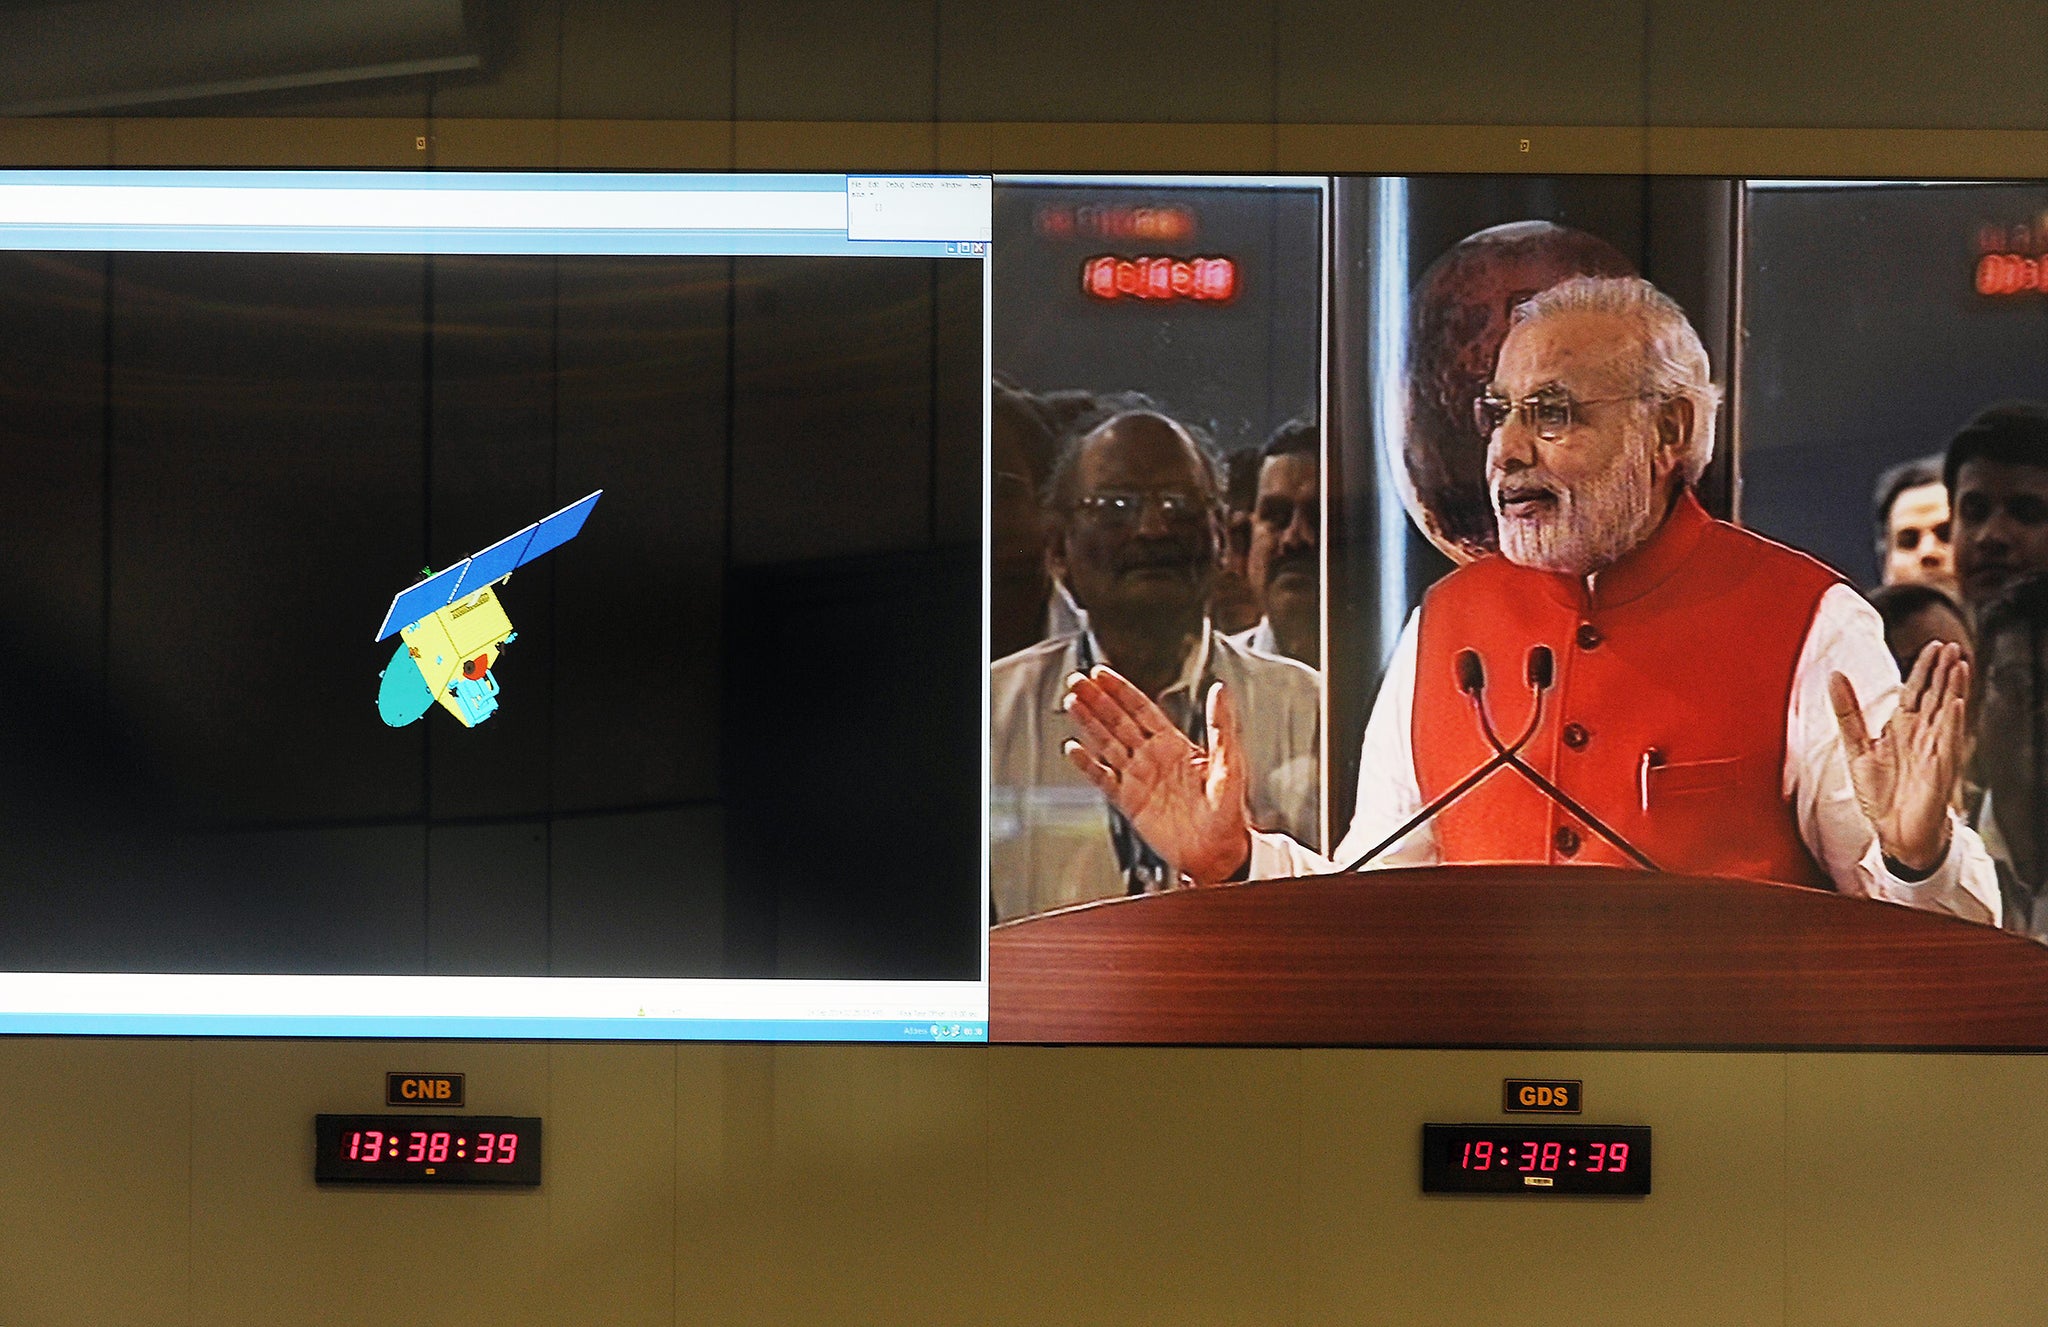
point(1208, 280)
point(1168, 225)
point(2012, 260)
point(2011, 274)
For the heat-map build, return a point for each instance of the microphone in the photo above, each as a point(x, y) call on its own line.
point(1472, 681)
point(1471, 673)
point(1541, 666)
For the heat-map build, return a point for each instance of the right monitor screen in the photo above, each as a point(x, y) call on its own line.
point(1463, 610)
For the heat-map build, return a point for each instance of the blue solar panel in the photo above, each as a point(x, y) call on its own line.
point(494, 562)
point(431, 595)
point(554, 531)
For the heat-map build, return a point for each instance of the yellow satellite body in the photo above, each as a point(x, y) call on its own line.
point(470, 629)
point(451, 635)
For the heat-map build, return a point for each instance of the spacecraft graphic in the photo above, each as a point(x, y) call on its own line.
point(452, 626)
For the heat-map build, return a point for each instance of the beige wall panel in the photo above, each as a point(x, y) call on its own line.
point(1886, 64)
point(646, 144)
point(878, 1187)
point(33, 142)
point(1191, 60)
point(1130, 147)
point(1491, 149)
point(611, 1145)
point(835, 59)
point(725, 1206)
point(1916, 1190)
point(495, 144)
point(1704, 1248)
point(1483, 62)
point(1882, 153)
point(314, 144)
point(268, 1245)
point(95, 1181)
point(1143, 1186)
point(522, 73)
point(800, 146)
point(967, 147)
point(646, 59)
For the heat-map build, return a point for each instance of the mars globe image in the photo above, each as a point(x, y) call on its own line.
point(1458, 316)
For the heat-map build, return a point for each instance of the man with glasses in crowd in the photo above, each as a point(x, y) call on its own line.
point(1724, 704)
point(1136, 532)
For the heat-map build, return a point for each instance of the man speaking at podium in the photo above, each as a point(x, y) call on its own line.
point(1695, 696)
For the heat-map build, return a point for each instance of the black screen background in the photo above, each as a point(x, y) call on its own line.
point(727, 744)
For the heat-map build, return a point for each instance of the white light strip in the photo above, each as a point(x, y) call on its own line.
point(205, 995)
point(399, 208)
point(1389, 398)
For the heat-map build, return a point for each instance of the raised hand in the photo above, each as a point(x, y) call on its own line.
point(1905, 776)
point(1186, 801)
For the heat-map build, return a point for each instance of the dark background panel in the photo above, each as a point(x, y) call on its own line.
point(832, 408)
point(266, 471)
point(958, 400)
point(847, 783)
point(315, 900)
point(642, 413)
point(53, 432)
point(852, 696)
point(487, 899)
point(1867, 344)
point(637, 894)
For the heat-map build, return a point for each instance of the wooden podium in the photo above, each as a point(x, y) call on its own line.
point(1514, 956)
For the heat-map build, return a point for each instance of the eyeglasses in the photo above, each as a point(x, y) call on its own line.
point(1549, 410)
point(1126, 510)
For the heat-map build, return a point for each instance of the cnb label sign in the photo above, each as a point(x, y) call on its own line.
point(423, 1089)
point(1542, 1096)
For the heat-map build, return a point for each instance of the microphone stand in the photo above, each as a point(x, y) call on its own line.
point(1502, 756)
point(1511, 757)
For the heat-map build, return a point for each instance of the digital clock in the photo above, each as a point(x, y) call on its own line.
point(1538, 1159)
point(426, 1149)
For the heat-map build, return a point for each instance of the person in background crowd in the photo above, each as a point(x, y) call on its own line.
point(1916, 613)
point(2012, 723)
point(1233, 604)
point(1135, 516)
point(1911, 512)
point(1286, 566)
point(1021, 444)
point(1725, 703)
point(1996, 473)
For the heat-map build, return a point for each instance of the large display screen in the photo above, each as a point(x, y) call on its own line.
point(476, 604)
point(1634, 643)
point(1370, 610)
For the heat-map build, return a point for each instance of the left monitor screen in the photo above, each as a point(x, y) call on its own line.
point(482, 605)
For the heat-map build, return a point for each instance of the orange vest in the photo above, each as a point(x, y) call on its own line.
point(1667, 717)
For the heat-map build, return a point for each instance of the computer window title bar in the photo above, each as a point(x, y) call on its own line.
point(409, 212)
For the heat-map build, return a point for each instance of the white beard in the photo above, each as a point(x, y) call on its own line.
point(1589, 528)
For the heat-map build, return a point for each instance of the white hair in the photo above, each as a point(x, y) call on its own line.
point(1674, 359)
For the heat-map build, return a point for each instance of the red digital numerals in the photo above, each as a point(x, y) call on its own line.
point(1209, 280)
point(2011, 274)
point(1545, 1158)
point(422, 1147)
